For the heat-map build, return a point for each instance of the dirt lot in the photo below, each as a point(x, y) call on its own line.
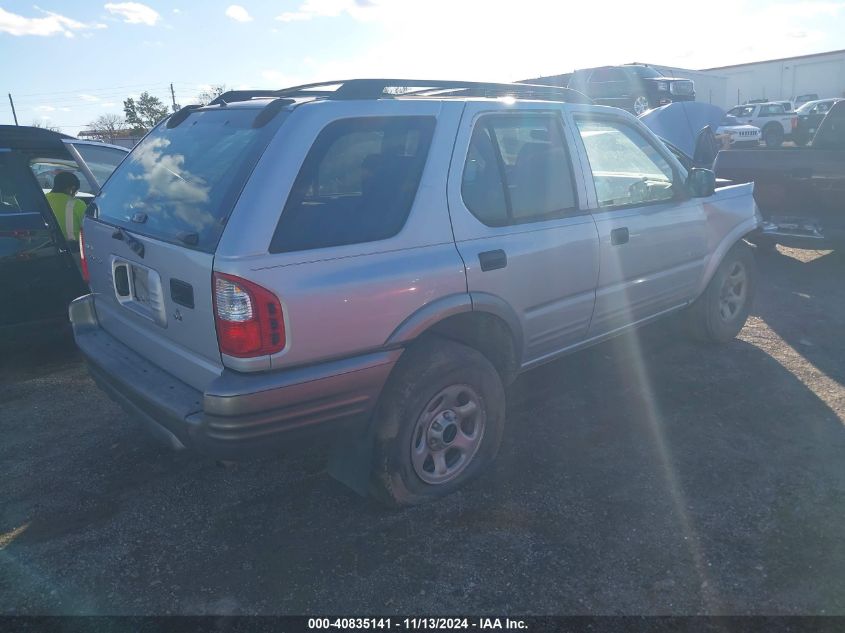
point(647, 475)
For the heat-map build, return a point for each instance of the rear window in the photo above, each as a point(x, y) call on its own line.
point(357, 183)
point(180, 184)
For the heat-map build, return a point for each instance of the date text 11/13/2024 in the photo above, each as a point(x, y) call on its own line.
point(413, 624)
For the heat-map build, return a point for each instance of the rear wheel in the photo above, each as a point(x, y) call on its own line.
point(439, 423)
point(720, 312)
point(773, 135)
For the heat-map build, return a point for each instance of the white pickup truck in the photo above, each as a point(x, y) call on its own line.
point(773, 119)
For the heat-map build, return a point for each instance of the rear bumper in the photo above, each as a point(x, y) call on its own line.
point(238, 415)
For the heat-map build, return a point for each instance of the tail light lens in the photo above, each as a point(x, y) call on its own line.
point(248, 317)
point(83, 263)
point(794, 122)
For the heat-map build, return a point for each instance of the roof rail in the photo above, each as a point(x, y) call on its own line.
point(390, 88)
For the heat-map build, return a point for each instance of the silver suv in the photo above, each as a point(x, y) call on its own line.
point(378, 259)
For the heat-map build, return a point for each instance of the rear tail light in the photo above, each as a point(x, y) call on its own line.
point(83, 263)
point(248, 318)
point(794, 122)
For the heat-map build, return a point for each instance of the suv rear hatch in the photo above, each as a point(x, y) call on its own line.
point(151, 236)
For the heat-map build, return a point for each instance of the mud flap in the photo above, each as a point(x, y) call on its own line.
point(351, 459)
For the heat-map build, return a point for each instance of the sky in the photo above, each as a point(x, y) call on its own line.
point(65, 63)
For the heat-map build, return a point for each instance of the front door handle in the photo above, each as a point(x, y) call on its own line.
point(492, 260)
point(619, 236)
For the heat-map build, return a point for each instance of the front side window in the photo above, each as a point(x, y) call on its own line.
point(627, 169)
point(517, 170)
point(357, 183)
point(101, 160)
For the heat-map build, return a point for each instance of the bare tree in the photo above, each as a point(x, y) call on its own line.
point(43, 125)
point(107, 127)
point(207, 96)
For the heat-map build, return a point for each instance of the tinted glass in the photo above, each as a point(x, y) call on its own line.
point(646, 72)
point(17, 192)
point(627, 169)
point(357, 183)
point(101, 160)
point(528, 152)
point(481, 185)
point(182, 183)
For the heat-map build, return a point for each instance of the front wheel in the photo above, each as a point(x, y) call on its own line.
point(641, 104)
point(720, 312)
point(438, 425)
point(773, 135)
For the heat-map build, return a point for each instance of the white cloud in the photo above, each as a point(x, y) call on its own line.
point(109, 104)
point(50, 24)
point(280, 79)
point(89, 98)
point(44, 108)
point(358, 9)
point(177, 11)
point(238, 13)
point(134, 12)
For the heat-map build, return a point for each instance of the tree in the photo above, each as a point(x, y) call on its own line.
point(107, 127)
point(43, 124)
point(207, 96)
point(143, 114)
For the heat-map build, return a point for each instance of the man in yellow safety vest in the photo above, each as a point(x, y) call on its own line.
point(68, 210)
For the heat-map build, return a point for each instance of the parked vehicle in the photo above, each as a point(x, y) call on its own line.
point(774, 122)
point(802, 99)
point(800, 192)
point(738, 135)
point(38, 274)
point(633, 87)
point(354, 256)
point(810, 115)
point(695, 131)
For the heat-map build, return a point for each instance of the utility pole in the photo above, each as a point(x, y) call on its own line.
point(173, 98)
point(14, 114)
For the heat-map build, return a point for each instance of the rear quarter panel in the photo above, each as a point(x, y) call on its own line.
point(345, 300)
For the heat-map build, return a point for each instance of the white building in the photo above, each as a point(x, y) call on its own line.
point(781, 79)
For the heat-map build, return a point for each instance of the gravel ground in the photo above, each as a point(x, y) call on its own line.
point(644, 476)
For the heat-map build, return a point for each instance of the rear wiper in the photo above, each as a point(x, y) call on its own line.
point(130, 240)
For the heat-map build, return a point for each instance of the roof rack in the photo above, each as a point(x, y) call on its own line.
point(391, 88)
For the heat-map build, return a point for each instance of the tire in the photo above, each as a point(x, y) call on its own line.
point(419, 417)
point(773, 135)
point(719, 314)
point(640, 104)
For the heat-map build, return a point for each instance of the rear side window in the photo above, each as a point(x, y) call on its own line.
point(357, 183)
point(180, 184)
point(517, 170)
point(17, 193)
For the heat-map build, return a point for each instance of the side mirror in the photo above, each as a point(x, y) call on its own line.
point(701, 183)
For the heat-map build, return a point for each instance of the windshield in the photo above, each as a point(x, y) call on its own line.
point(646, 72)
point(180, 184)
point(805, 108)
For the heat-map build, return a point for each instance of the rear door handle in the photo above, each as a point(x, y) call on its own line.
point(619, 236)
point(492, 260)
